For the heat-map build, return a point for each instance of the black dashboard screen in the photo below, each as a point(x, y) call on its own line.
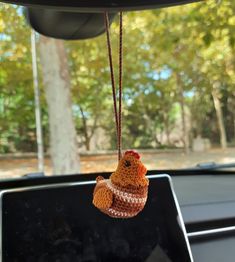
point(60, 224)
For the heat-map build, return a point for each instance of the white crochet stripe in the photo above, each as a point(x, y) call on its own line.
point(127, 197)
point(120, 214)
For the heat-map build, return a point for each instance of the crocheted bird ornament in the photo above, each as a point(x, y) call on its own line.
point(125, 193)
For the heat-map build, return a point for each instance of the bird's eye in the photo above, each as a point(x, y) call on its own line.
point(127, 163)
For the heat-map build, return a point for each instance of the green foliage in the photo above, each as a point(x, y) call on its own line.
point(17, 120)
point(171, 56)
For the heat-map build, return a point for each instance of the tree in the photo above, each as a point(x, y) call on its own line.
point(17, 127)
point(220, 117)
point(63, 141)
point(173, 59)
point(90, 86)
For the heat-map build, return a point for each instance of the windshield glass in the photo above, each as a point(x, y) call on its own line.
point(178, 92)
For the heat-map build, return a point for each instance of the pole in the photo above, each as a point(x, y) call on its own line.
point(37, 104)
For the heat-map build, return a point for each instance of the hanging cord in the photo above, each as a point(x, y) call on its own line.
point(106, 19)
point(118, 114)
point(120, 88)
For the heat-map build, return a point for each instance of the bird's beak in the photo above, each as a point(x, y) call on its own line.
point(142, 170)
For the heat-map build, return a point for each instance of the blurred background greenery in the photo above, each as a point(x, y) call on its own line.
point(179, 80)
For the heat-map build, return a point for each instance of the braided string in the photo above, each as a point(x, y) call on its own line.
point(117, 114)
point(106, 19)
point(120, 88)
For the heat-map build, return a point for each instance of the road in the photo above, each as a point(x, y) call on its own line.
point(17, 167)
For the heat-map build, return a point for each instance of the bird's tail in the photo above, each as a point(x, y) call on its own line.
point(99, 178)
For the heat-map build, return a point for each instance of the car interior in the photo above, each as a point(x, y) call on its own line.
point(190, 214)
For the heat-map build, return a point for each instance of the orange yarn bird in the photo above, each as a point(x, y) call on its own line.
point(124, 194)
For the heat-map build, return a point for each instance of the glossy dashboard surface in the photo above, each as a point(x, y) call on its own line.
point(209, 201)
point(208, 197)
point(53, 226)
point(204, 197)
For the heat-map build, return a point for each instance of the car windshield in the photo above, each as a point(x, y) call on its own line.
point(178, 92)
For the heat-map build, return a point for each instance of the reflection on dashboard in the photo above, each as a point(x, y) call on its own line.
point(61, 224)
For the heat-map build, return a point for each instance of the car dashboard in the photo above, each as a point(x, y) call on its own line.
point(207, 203)
point(208, 208)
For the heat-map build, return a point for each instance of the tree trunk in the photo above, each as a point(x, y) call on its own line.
point(85, 129)
point(63, 141)
point(183, 118)
point(87, 144)
point(185, 131)
point(233, 112)
point(167, 127)
point(220, 117)
point(37, 96)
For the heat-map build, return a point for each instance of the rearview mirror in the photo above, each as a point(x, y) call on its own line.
point(66, 25)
